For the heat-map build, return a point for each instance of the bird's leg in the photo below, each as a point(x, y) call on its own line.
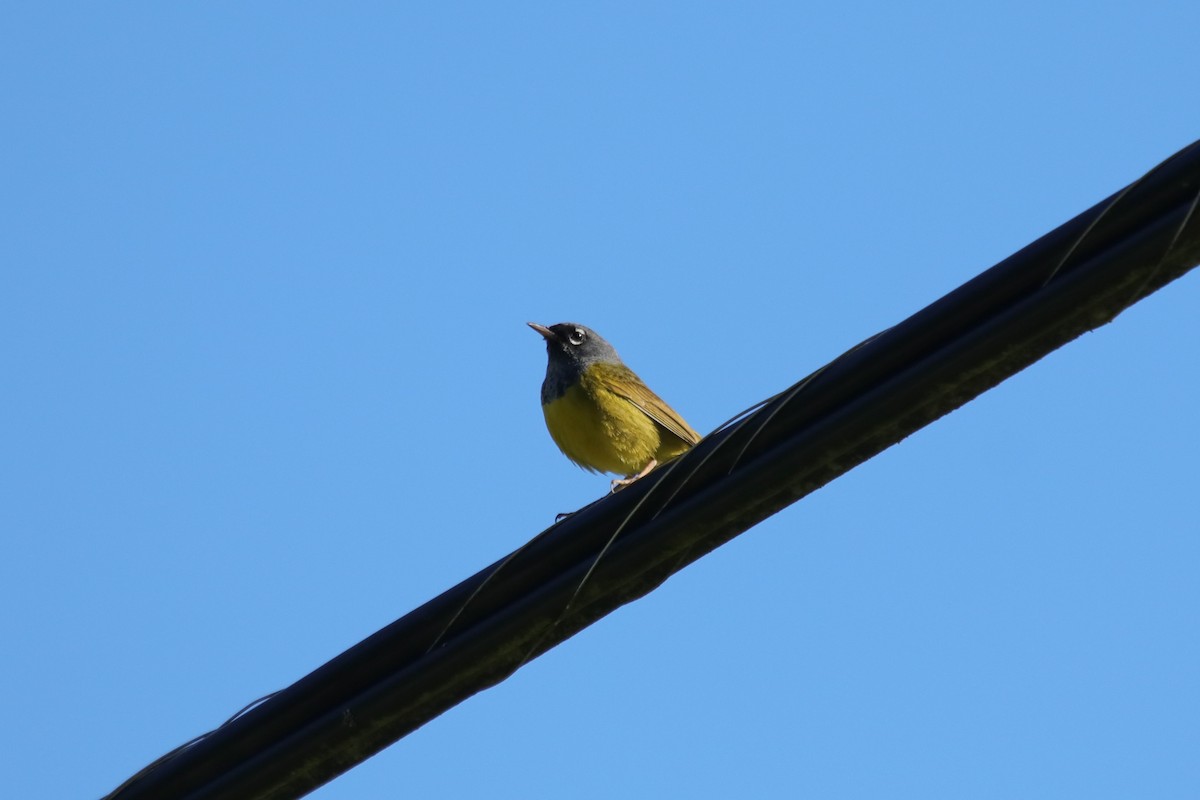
point(621, 483)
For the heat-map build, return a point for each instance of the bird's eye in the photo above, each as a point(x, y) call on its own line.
point(577, 336)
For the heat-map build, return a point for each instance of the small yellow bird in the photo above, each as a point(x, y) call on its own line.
point(599, 412)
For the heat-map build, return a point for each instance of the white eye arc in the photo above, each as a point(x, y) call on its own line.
point(577, 336)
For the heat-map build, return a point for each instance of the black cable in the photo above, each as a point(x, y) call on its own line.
point(1073, 279)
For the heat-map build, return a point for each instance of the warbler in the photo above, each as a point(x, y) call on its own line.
point(600, 413)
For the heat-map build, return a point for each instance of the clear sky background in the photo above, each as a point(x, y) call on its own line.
point(268, 385)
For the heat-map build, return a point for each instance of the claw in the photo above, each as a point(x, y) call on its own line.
point(620, 483)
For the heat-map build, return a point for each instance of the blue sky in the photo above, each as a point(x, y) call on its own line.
point(269, 386)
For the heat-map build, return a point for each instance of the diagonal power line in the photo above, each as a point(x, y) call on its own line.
point(1072, 280)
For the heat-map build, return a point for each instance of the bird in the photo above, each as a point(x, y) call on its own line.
point(600, 413)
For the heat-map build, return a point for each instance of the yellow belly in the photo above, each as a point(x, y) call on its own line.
point(604, 432)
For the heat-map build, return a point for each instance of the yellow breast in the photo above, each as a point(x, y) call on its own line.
point(602, 431)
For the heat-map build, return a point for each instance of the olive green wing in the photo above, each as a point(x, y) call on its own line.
point(624, 382)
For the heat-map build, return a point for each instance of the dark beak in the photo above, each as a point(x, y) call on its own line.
point(543, 330)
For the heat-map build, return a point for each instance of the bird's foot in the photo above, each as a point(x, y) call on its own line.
point(620, 483)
